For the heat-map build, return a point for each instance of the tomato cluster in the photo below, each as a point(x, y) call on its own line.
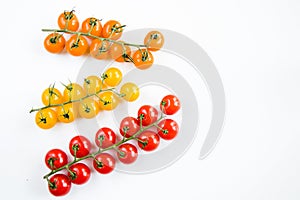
point(85, 100)
point(100, 41)
point(141, 133)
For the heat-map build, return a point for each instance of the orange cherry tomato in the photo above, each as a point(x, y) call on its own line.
point(99, 49)
point(112, 29)
point(92, 26)
point(54, 43)
point(154, 40)
point(77, 45)
point(68, 20)
point(119, 52)
point(143, 59)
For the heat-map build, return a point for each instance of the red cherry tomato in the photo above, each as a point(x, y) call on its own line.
point(148, 140)
point(80, 173)
point(129, 126)
point(168, 129)
point(127, 153)
point(105, 137)
point(170, 104)
point(79, 146)
point(59, 185)
point(104, 163)
point(148, 115)
point(56, 158)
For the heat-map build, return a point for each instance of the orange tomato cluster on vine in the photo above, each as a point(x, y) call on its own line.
point(101, 40)
point(97, 93)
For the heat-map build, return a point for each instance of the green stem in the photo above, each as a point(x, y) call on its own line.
point(115, 146)
point(95, 37)
point(77, 100)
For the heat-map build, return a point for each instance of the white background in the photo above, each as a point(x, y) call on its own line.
point(255, 46)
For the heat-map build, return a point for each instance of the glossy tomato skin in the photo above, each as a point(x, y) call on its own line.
point(127, 153)
point(129, 126)
point(92, 26)
point(104, 163)
point(54, 43)
point(80, 173)
point(148, 140)
point(170, 104)
point(56, 158)
point(131, 91)
point(154, 40)
point(105, 137)
point(77, 45)
point(142, 59)
point(148, 114)
point(99, 49)
point(46, 118)
point(68, 20)
point(80, 146)
point(59, 185)
point(112, 29)
point(51, 96)
point(168, 129)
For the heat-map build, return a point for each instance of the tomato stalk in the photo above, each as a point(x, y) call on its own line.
point(101, 150)
point(78, 100)
point(96, 37)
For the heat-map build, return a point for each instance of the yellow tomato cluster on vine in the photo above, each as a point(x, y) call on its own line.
point(96, 94)
point(101, 40)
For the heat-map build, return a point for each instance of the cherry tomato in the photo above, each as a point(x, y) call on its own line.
point(77, 45)
point(109, 100)
point(56, 158)
point(120, 52)
point(112, 77)
point(51, 96)
point(148, 140)
point(142, 59)
point(54, 43)
point(168, 129)
point(80, 146)
point(154, 40)
point(68, 20)
point(125, 56)
point(73, 91)
point(105, 137)
point(99, 49)
point(127, 153)
point(92, 26)
point(46, 118)
point(148, 115)
point(112, 29)
point(131, 91)
point(93, 84)
point(129, 126)
point(88, 108)
point(59, 185)
point(67, 113)
point(80, 173)
point(170, 104)
point(104, 163)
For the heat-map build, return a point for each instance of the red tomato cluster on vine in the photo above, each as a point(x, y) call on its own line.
point(140, 133)
point(100, 40)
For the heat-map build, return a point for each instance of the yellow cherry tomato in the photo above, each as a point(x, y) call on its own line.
point(46, 118)
point(67, 113)
point(131, 91)
point(112, 77)
point(108, 100)
point(93, 84)
point(73, 91)
point(51, 96)
point(88, 108)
